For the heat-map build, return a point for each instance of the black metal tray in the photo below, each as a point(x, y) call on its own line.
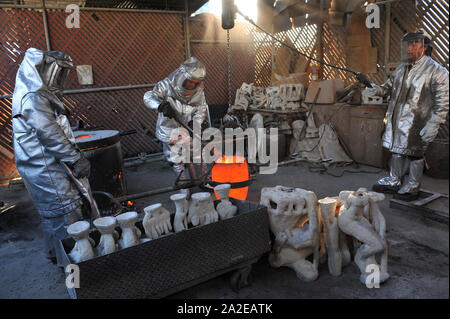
point(172, 263)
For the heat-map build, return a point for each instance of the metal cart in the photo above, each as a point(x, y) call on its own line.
point(176, 261)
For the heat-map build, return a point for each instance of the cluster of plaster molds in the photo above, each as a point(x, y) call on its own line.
point(301, 224)
point(291, 94)
point(293, 221)
point(274, 100)
point(156, 223)
point(241, 99)
point(258, 96)
point(284, 97)
point(249, 95)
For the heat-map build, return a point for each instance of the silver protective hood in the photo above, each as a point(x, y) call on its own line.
point(42, 135)
point(418, 106)
point(190, 104)
point(42, 71)
point(191, 69)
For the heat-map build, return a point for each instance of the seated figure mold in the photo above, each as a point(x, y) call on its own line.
point(293, 216)
point(361, 218)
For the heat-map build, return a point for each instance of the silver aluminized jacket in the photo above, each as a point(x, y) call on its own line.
point(418, 106)
point(42, 139)
point(190, 105)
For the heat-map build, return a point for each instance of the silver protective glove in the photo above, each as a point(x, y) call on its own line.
point(428, 133)
point(82, 167)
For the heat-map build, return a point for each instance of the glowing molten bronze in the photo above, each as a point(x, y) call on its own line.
point(231, 169)
point(83, 136)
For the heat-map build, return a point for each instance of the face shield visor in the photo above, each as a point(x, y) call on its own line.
point(56, 73)
point(191, 85)
point(413, 47)
point(187, 87)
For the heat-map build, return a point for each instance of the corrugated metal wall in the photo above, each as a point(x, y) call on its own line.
point(124, 48)
point(20, 29)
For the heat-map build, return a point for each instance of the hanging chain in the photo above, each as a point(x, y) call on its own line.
point(229, 68)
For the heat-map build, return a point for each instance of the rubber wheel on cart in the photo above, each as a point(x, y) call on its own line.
point(240, 279)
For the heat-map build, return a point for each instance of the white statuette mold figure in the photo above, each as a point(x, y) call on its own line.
point(379, 223)
point(327, 207)
point(156, 221)
point(201, 209)
point(83, 246)
point(109, 236)
point(182, 205)
point(293, 216)
point(225, 208)
point(353, 220)
point(130, 233)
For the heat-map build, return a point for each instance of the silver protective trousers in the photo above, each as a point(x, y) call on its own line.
point(55, 229)
point(398, 168)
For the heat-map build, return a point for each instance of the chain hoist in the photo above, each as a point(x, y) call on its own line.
point(229, 68)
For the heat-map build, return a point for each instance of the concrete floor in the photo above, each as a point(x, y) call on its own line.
point(418, 247)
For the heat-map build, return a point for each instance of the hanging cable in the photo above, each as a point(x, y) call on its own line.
point(361, 77)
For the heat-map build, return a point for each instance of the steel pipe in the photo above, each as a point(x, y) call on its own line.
point(157, 191)
point(387, 38)
point(40, 7)
point(93, 90)
point(187, 34)
point(46, 32)
point(111, 88)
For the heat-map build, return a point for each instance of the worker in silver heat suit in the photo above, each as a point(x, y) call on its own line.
point(43, 140)
point(419, 105)
point(180, 95)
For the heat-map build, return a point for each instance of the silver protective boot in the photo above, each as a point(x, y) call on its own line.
point(415, 177)
point(393, 182)
point(55, 229)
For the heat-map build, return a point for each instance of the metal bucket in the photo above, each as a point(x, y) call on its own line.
point(103, 150)
point(437, 159)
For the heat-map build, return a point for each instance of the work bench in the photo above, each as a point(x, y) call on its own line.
point(360, 127)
